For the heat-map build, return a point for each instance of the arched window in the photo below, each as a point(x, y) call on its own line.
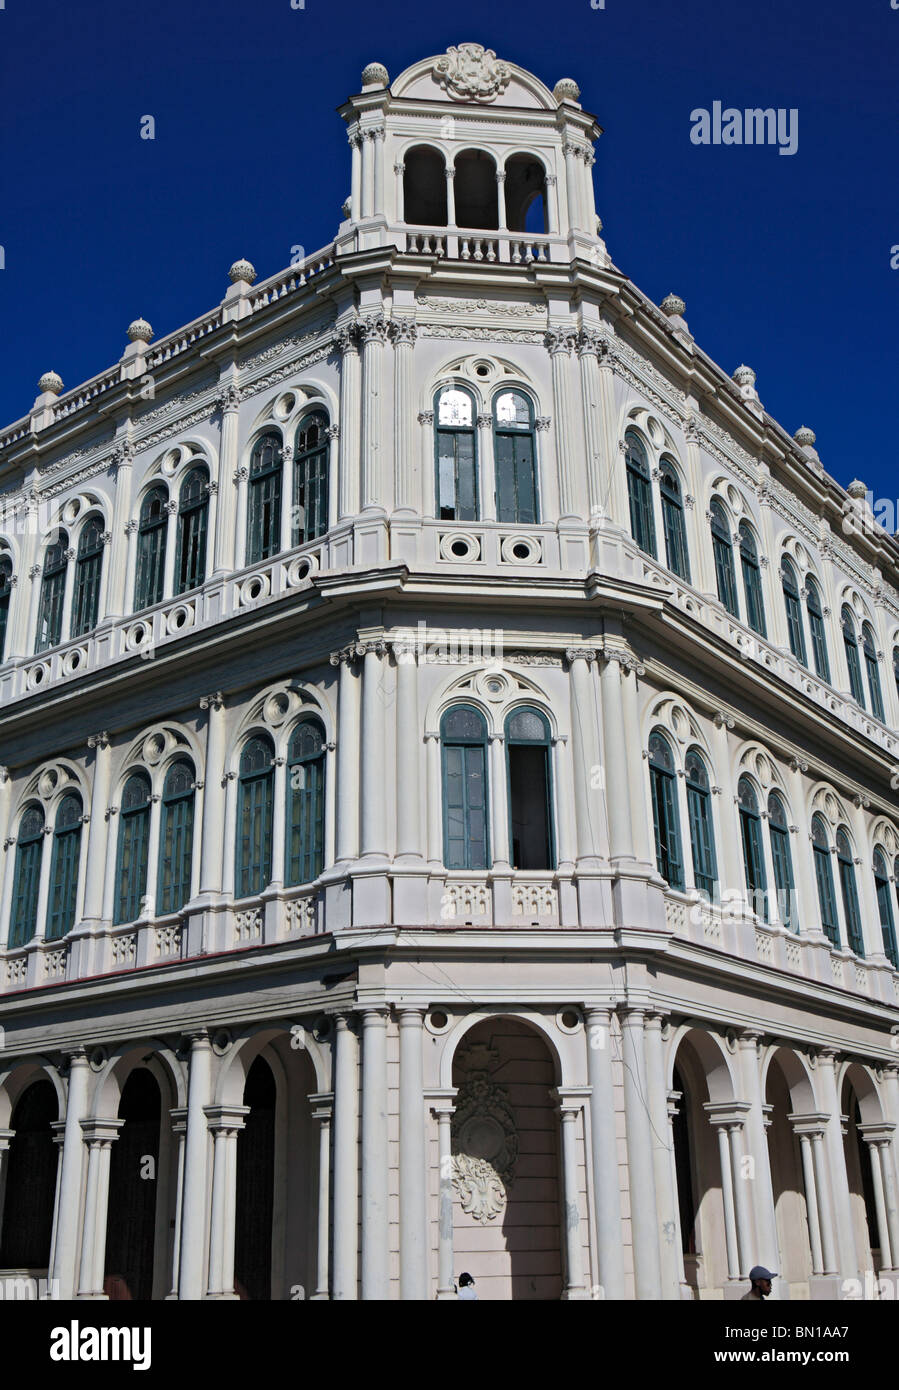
point(476, 191)
point(53, 588)
point(795, 631)
point(753, 853)
point(515, 459)
point(151, 540)
point(193, 518)
point(885, 907)
point(525, 193)
point(310, 479)
point(782, 859)
point(723, 551)
point(639, 494)
point(850, 643)
point(264, 511)
point(29, 848)
point(665, 819)
point(827, 898)
point(530, 794)
point(64, 868)
point(869, 646)
point(702, 838)
point(456, 457)
point(752, 580)
point(463, 737)
point(176, 838)
point(424, 188)
point(134, 848)
point(849, 890)
point(673, 524)
point(816, 627)
point(5, 591)
point(305, 803)
point(255, 806)
point(88, 568)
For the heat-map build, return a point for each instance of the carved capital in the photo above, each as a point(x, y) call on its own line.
point(100, 740)
point(404, 332)
point(214, 701)
point(426, 417)
point(228, 399)
point(542, 423)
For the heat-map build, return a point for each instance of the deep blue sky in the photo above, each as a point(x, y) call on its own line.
point(784, 261)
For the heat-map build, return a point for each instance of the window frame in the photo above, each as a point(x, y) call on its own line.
point(172, 833)
point(193, 532)
point(817, 628)
point(824, 881)
point(458, 741)
point(133, 836)
point(454, 432)
point(88, 579)
point(853, 663)
point(53, 594)
point(638, 476)
point(664, 802)
point(314, 858)
point(852, 912)
point(513, 432)
point(65, 864)
point(674, 521)
point(751, 570)
point(723, 557)
point(150, 558)
point(268, 474)
point(253, 876)
point(701, 824)
point(27, 879)
point(793, 609)
point(755, 871)
point(782, 861)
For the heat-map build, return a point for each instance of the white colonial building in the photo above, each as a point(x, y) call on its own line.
point(449, 734)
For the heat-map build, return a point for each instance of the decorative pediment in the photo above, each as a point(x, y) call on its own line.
point(472, 73)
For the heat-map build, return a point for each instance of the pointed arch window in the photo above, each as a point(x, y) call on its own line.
point(515, 459)
point(639, 493)
point(133, 848)
point(528, 746)
point(305, 803)
point(817, 629)
point(53, 588)
point(255, 807)
point(782, 860)
point(827, 898)
point(753, 852)
point(463, 738)
point(176, 838)
point(5, 592)
point(310, 479)
point(752, 580)
point(151, 542)
point(849, 890)
point(64, 868)
point(702, 837)
point(673, 523)
point(88, 569)
point(193, 525)
point(264, 510)
point(456, 455)
point(850, 643)
point(665, 818)
point(885, 907)
point(723, 552)
point(869, 647)
point(26, 884)
point(795, 632)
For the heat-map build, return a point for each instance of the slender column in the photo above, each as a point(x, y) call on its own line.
point(66, 1234)
point(179, 1131)
point(278, 825)
point(229, 404)
point(673, 1098)
point(130, 561)
point(807, 907)
point(377, 152)
point(171, 545)
point(727, 1193)
point(563, 773)
point(666, 1193)
point(350, 405)
point(43, 892)
point(883, 1234)
point(848, 1257)
point(644, 851)
point(442, 1108)
point(729, 840)
point(399, 170)
point(500, 808)
point(347, 838)
point(757, 1145)
point(825, 1210)
point(21, 631)
point(214, 826)
point(701, 558)
point(287, 498)
point(558, 343)
point(744, 1220)
point(587, 348)
point(571, 184)
point(374, 770)
point(487, 467)
point(641, 1177)
point(811, 1203)
point(450, 197)
point(98, 829)
point(406, 484)
point(59, 1134)
point(375, 1229)
point(99, 1136)
point(615, 758)
point(408, 757)
point(323, 1105)
point(552, 204)
point(346, 1170)
point(374, 336)
point(501, 200)
point(117, 572)
point(29, 638)
point(606, 1193)
point(193, 1218)
point(240, 478)
point(356, 177)
point(368, 172)
point(432, 759)
point(884, 1147)
point(225, 1122)
point(585, 762)
point(413, 1160)
point(574, 1257)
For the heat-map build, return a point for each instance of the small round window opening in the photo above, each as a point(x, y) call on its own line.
point(521, 551)
point(460, 548)
point(482, 369)
point(495, 687)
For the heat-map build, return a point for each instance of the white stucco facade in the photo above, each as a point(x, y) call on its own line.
point(627, 1072)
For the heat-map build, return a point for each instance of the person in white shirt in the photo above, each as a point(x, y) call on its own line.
point(466, 1288)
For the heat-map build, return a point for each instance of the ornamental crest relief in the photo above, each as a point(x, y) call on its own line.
point(485, 1146)
point(472, 73)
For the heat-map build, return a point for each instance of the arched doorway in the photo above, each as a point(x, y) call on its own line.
point(424, 188)
point(133, 1188)
point(787, 1092)
point(684, 1168)
point(30, 1191)
point(507, 1212)
point(861, 1107)
point(476, 193)
point(256, 1186)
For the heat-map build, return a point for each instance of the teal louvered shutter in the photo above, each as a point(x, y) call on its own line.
point(455, 456)
point(827, 898)
point(63, 897)
point(149, 579)
point(193, 521)
point(53, 587)
point(5, 591)
point(310, 479)
point(850, 643)
point(639, 493)
point(753, 854)
point(870, 649)
point(817, 629)
point(176, 839)
point(264, 512)
point(26, 884)
point(515, 459)
point(254, 818)
point(702, 841)
point(666, 821)
point(464, 740)
point(673, 522)
point(723, 553)
point(88, 569)
point(885, 908)
point(849, 889)
point(752, 581)
point(795, 631)
point(305, 804)
point(133, 849)
point(782, 861)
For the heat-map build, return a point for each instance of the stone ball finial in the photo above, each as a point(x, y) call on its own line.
point(805, 437)
point(566, 89)
point(744, 376)
point(857, 489)
point(140, 331)
point(375, 74)
point(50, 381)
point(673, 305)
point(242, 270)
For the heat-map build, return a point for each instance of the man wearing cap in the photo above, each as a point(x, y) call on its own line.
point(760, 1279)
